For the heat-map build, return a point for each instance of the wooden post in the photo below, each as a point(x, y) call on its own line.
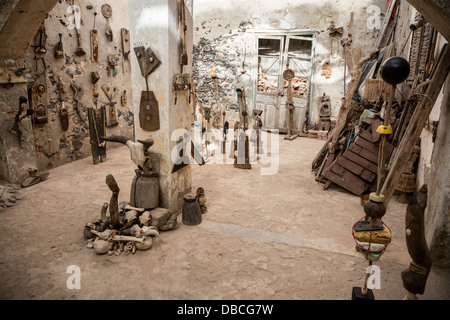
point(416, 125)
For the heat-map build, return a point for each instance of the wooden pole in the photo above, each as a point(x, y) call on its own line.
point(416, 125)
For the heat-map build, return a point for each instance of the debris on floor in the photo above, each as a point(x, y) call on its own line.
point(9, 194)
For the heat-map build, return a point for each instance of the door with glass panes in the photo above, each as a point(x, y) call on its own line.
point(275, 55)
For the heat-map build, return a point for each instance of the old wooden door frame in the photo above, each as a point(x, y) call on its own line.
point(309, 35)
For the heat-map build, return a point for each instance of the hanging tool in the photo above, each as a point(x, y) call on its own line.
point(38, 100)
point(148, 61)
point(113, 62)
point(59, 50)
point(183, 27)
point(94, 79)
point(80, 51)
point(125, 34)
point(111, 114)
point(94, 42)
point(123, 98)
point(288, 75)
point(77, 92)
point(107, 13)
point(63, 114)
point(15, 128)
point(40, 40)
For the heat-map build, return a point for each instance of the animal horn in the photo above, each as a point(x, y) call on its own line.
point(115, 138)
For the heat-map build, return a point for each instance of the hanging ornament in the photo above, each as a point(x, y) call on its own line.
point(370, 233)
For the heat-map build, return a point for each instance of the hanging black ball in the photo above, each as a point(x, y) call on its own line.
point(395, 70)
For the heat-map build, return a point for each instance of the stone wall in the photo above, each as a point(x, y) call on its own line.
point(48, 144)
point(225, 32)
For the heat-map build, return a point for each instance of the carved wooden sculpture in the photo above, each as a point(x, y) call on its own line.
point(114, 201)
point(415, 277)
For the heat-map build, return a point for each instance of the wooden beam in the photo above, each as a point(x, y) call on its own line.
point(416, 125)
point(436, 12)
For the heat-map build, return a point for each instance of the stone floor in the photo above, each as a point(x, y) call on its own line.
point(268, 237)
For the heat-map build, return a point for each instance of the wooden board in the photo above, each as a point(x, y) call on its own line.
point(364, 153)
point(345, 179)
point(356, 169)
point(97, 129)
point(361, 161)
point(369, 146)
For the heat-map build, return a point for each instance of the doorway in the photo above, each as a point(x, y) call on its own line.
point(275, 54)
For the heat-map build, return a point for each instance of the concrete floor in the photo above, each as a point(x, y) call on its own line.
point(264, 237)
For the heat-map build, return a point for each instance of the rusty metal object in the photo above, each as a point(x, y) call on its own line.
point(148, 108)
point(149, 111)
point(107, 13)
point(15, 128)
point(59, 50)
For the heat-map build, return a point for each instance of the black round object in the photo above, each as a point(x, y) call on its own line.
point(375, 210)
point(395, 70)
point(23, 99)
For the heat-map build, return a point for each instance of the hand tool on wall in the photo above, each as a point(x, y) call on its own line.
point(63, 114)
point(125, 34)
point(94, 79)
point(181, 82)
point(38, 100)
point(40, 40)
point(111, 112)
point(77, 92)
point(80, 51)
point(123, 98)
point(113, 62)
point(15, 128)
point(148, 109)
point(59, 50)
point(94, 42)
point(183, 29)
point(107, 13)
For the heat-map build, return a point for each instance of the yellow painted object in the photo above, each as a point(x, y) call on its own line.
point(377, 236)
point(384, 130)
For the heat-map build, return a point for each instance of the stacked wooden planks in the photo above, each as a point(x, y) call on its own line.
point(355, 169)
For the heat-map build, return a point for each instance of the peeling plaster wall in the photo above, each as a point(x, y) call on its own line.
point(49, 145)
point(225, 28)
point(156, 24)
